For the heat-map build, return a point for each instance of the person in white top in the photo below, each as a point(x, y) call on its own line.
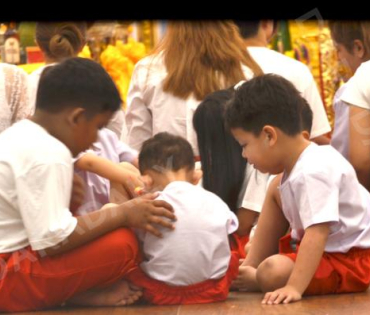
point(59, 41)
point(75, 99)
point(322, 201)
point(193, 59)
point(14, 103)
point(349, 38)
point(357, 96)
point(197, 253)
point(257, 35)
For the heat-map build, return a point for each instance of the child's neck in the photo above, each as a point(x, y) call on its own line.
point(160, 181)
point(293, 148)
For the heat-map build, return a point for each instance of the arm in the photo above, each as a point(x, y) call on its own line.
point(272, 225)
point(246, 220)
point(309, 255)
point(359, 143)
point(114, 172)
point(144, 213)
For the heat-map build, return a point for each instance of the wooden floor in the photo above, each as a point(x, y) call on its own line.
point(240, 303)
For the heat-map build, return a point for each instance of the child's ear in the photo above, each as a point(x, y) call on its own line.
point(75, 115)
point(269, 132)
point(197, 175)
point(358, 48)
point(148, 181)
point(306, 134)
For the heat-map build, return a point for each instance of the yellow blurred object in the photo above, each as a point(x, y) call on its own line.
point(119, 62)
point(85, 53)
point(30, 67)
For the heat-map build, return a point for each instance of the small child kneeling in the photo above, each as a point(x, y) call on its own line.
point(193, 263)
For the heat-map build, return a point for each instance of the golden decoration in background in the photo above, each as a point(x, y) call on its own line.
point(313, 46)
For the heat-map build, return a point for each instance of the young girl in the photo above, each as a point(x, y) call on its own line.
point(352, 40)
point(225, 172)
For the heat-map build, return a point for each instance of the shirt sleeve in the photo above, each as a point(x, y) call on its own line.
point(44, 196)
point(317, 199)
point(232, 223)
point(138, 116)
point(254, 189)
point(357, 92)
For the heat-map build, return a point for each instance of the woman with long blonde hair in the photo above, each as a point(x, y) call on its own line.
point(193, 59)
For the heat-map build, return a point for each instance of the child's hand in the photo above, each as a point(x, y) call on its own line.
point(145, 212)
point(246, 279)
point(284, 295)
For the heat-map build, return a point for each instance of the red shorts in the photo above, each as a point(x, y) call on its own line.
point(31, 282)
point(337, 272)
point(208, 291)
point(239, 244)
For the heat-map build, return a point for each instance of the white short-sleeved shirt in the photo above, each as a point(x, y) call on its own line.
point(323, 187)
point(340, 136)
point(35, 188)
point(198, 248)
point(358, 90)
point(151, 110)
point(97, 189)
point(298, 73)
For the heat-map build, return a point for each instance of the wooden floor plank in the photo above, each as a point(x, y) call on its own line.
point(238, 303)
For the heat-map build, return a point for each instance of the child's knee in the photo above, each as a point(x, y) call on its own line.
point(123, 243)
point(274, 272)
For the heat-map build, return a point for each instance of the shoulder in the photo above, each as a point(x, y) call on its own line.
point(321, 162)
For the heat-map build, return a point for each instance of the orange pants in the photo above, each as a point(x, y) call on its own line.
point(337, 272)
point(160, 293)
point(240, 242)
point(31, 282)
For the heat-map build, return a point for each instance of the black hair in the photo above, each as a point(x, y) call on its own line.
point(221, 156)
point(77, 82)
point(165, 152)
point(248, 29)
point(268, 100)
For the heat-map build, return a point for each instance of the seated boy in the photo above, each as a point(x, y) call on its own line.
point(47, 256)
point(193, 263)
point(322, 201)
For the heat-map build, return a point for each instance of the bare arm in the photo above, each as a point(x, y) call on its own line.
point(122, 173)
point(142, 213)
point(359, 143)
point(272, 225)
point(246, 219)
point(309, 255)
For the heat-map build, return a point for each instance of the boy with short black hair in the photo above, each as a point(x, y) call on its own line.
point(194, 263)
point(91, 253)
point(322, 201)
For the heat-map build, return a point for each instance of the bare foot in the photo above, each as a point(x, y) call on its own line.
point(246, 279)
point(119, 294)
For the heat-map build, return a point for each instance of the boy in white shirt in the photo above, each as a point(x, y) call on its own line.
point(48, 256)
point(193, 263)
point(322, 202)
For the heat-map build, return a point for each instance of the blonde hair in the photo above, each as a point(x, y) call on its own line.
point(202, 57)
point(60, 40)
